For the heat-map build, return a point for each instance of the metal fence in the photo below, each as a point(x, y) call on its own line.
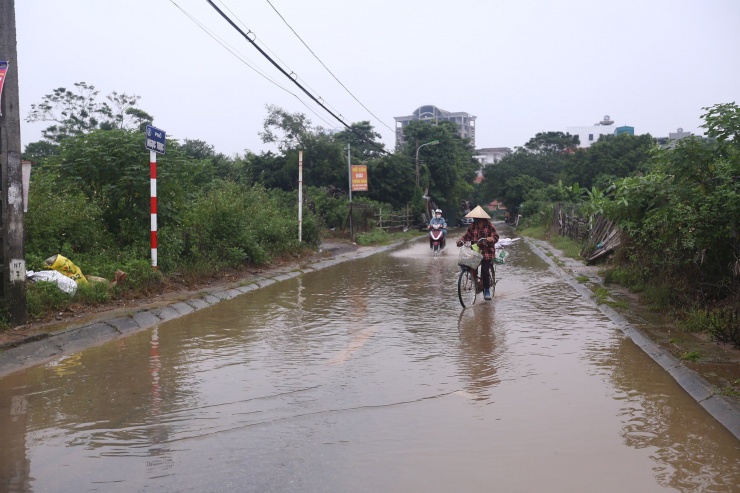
point(392, 220)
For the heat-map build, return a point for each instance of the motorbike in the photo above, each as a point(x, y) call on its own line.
point(436, 238)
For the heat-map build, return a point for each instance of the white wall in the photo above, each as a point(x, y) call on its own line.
point(593, 130)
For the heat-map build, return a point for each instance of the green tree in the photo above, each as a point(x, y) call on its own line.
point(111, 168)
point(681, 216)
point(79, 112)
point(391, 180)
point(363, 141)
point(286, 130)
point(610, 158)
point(447, 169)
point(38, 152)
point(552, 143)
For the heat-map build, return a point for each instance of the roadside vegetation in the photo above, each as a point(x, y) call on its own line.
point(89, 197)
point(676, 205)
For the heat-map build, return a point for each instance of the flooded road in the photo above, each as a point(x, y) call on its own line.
point(364, 377)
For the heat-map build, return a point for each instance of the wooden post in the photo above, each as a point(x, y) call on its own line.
point(13, 233)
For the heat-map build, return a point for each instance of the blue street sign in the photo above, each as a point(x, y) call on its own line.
point(155, 139)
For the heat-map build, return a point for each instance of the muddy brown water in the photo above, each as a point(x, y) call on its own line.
point(367, 376)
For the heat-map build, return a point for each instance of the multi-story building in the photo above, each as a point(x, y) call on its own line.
point(431, 114)
point(590, 134)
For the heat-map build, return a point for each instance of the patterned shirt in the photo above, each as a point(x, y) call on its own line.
point(482, 229)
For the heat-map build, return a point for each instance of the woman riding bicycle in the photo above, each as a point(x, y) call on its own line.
point(482, 228)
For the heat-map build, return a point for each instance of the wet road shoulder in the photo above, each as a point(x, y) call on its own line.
point(45, 346)
point(724, 409)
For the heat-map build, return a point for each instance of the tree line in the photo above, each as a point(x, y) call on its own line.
point(677, 205)
point(89, 194)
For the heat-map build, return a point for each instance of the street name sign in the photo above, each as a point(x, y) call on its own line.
point(155, 139)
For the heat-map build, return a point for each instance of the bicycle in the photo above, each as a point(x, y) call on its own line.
point(469, 283)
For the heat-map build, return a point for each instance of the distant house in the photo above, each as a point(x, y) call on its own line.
point(490, 155)
point(497, 209)
point(590, 134)
point(672, 136)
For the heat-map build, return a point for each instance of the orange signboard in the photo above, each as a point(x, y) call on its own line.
point(359, 178)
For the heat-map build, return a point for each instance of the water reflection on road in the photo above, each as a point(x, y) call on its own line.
point(367, 376)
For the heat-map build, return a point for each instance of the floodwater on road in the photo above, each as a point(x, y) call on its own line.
point(364, 377)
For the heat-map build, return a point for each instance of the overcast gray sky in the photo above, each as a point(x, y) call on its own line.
point(520, 66)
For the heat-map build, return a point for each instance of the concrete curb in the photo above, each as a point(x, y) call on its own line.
point(43, 347)
point(722, 408)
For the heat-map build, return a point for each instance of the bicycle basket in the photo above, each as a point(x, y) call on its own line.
point(469, 258)
point(500, 257)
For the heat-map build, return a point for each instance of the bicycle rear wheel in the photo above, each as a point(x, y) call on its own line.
point(493, 279)
point(466, 289)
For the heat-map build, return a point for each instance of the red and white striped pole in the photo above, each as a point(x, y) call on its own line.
point(153, 204)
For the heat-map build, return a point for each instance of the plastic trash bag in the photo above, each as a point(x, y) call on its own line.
point(469, 258)
point(64, 283)
point(504, 242)
point(500, 257)
point(66, 267)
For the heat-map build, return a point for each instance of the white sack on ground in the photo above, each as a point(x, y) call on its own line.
point(63, 282)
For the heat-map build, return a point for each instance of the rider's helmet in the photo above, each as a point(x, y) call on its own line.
point(438, 213)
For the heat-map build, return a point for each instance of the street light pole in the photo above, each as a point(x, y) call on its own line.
point(434, 142)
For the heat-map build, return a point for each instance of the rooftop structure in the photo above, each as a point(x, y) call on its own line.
point(590, 134)
point(431, 114)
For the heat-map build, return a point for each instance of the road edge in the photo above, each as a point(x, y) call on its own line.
point(43, 347)
point(723, 409)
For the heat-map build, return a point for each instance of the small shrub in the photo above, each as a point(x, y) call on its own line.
point(629, 278)
point(582, 278)
point(141, 276)
point(572, 249)
point(622, 304)
point(659, 297)
point(537, 232)
point(695, 321)
point(601, 295)
point(93, 293)
point(691, 356)
point(724, 326)
point(374, 237)
point(43, 297)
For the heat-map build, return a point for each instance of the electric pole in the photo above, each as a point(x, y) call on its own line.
point(13, 252)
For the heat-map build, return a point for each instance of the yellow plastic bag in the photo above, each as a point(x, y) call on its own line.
point(66, 267)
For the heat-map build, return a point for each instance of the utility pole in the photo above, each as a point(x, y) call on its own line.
point(13, 252)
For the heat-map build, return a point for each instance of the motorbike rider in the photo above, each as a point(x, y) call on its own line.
point(438, 219)
point(482, 228)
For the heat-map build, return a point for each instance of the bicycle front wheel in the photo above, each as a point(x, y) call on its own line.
point(493, 279)
point(466, 289)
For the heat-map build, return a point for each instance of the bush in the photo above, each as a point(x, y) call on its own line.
point(374, 237)
point(43, 297)
point(61, 221)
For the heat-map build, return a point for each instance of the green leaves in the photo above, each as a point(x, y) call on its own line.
point(78, 112)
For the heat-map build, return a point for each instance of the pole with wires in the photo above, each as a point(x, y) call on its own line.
point(349, 176)
point(300, 195)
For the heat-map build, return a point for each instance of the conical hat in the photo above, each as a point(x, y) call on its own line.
point(478, 213)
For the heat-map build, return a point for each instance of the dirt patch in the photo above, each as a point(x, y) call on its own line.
point(175, 289)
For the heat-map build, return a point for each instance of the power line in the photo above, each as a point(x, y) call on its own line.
point(292, 79)
point(275, 55)
point(242, 59)
point(327, 68)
